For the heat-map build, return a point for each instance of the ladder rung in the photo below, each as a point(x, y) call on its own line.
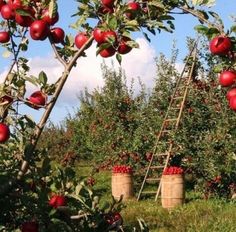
point(178, 97)
point(153, 179)
point(175, 108)
point(166, 131)
point(171, 119)
point(161, 154)
point(157, 167)
point(149, 192)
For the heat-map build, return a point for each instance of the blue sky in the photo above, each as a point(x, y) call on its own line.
point(42, 57)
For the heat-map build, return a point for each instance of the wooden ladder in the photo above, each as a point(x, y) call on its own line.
point(169, 125)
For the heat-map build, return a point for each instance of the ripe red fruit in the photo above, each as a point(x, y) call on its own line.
point(231, 93)
point(38, 99)
point(8, 12)
point(133, 9)
point(4, 37)
point(232, 103)
point(39, 30)
point(80, 39)
point(4, 133)
point(25, 21)
point(30, 227)
point(227, 78)
point(220, 45)
point(108, 2)
point(57, 200)
point(46, 17)
point(57, 35)
point(105, 10)
point(16, 4)
point(98, 35)
point(109, 36)
point(107, 52)
point(123, 47)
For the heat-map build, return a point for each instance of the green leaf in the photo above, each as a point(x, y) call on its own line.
point(233, 29)
point(118, 58)
point(30, 121)
point(43, 78)
point(201, 29)
point(23, 12)
point(52, 9)
point(112, 23)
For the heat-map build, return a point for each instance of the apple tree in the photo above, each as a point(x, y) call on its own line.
point(23, 167)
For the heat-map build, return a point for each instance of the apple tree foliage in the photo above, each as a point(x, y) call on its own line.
point(27, 180)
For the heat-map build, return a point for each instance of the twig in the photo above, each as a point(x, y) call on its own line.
point(200, 17)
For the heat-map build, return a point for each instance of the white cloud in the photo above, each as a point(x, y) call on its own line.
point(87, 73)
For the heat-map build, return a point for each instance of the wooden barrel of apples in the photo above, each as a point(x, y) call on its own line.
point(122, 182)
point(172, 188)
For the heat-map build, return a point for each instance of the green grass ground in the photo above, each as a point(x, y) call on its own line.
point(197, 215)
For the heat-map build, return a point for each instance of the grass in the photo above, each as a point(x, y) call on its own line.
point(197, 215)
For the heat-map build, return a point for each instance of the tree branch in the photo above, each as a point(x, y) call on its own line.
point(201, 18)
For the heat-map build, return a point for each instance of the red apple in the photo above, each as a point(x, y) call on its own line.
point(38, 99)
point(123, 47)
point(39, 30)
point(30, 226)
point(16, 4)
point(133, 9)
point(107, 52)
point(231, 93)
point(220, 45)
point(57, 35)
point(109, 36)
point(98, 35)
point(57, 200)
point(80, 39)
point(8, 12)
point(108, 2)
point(232, 103)
point(23, 20)
point(105, 10)
point(4, 133)
point(227, 78)
point(46, 17)
point(4, 37)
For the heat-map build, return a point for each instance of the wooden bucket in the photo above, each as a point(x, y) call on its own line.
point(172, 190)
point(122, 184)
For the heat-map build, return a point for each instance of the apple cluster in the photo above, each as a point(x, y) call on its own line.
point(173, 170)
point(57, 200)
point(33, 15)
point(113, 218)
point(222, 46)
point(122, 169)
point(110, 41)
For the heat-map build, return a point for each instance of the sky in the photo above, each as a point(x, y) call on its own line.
point(87, 73)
